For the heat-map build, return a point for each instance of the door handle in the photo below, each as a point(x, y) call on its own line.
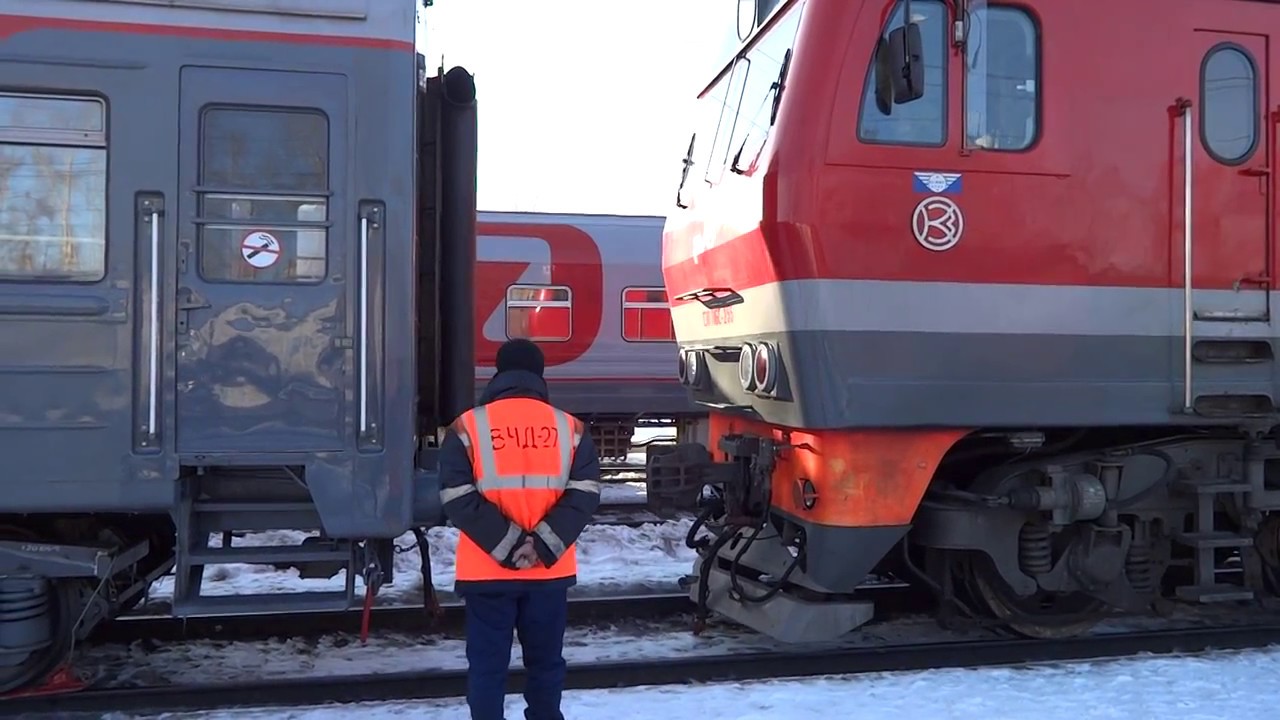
point(187, 301)
point(1254, 279)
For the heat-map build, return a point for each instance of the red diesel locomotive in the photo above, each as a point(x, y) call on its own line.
point(983, 299)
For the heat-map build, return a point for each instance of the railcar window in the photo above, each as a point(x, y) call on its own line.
point(1229, 104)
point(922, 121)
point(646, 315)
point(730, 107)
point(760, 95)
point(53, 188)
point(764, 7)
point(264, 206)
point(543, 313)
point(1002, 72)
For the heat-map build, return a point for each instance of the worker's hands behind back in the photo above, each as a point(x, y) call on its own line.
point(525, 556)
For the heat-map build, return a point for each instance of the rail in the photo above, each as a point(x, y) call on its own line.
point(397, 618)
point(739, 666)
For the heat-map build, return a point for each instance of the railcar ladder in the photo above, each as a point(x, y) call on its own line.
point(1206, 540)
point(1235, 370)
point(199, 520)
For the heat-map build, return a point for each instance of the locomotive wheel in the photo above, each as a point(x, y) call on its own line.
point(26, 606)
point(1042, 615)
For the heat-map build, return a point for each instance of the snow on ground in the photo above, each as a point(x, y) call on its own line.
point(1236, 685)
point(612, 559)
point(153, 663)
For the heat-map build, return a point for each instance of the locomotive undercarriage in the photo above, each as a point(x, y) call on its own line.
point(1052, 545)
point(1043, 539)
point(752, 561)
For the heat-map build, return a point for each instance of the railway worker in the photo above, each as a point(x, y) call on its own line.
point(520, 479)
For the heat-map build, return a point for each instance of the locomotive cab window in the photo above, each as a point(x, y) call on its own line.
point(1229, 104)
point(887, 120)
point(264, 200)
point(542, 313)
point(53, 188)
point(1001, 76)
point(646, 316)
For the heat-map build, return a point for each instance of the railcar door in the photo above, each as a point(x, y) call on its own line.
point(263, 323)
point(1230, 180)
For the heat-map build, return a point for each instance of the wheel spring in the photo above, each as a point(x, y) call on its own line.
point(26, 622)
point(1139, 567)
point(1035, 549)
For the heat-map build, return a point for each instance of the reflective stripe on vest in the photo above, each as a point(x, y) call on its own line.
point(521, 452)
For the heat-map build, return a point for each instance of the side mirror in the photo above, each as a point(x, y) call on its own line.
point(906, 56)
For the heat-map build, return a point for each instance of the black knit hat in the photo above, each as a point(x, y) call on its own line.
point(520, 354)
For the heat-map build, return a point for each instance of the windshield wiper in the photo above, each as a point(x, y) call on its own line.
point(776, 88)
point(684, 174)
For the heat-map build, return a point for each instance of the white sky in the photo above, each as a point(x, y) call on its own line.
point(583, 104)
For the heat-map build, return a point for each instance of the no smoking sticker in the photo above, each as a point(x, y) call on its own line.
point(260, 249)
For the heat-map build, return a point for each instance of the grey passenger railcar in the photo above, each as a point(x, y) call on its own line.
point(237, 241)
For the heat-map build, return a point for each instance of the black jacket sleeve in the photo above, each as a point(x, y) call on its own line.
point(564, 522)
point(468, 509)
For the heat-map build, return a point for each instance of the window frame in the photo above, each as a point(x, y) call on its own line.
point(626, 305)
point(868, 81)
point(715, 165)
point(1038, 38)
point(74, 139)
point(1256, 128)
point(508, 304)
point(202, 191)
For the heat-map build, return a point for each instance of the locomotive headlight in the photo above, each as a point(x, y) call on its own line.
point(765, 370)
point(746, 367)
point(694, 364)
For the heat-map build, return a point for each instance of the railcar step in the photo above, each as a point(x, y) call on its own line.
point(1219, 539)
point(214, 517)
point(1213, 593)
point(1211, 487)
point(258, 602)
point(204, 506)
point(267, 555)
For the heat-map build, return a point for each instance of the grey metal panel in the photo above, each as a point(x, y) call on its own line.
point(614, 375)
point(67, 349)
point(91, 409)
point(832, 379)
point(965, 307)
point(371, 19)
point(261, 366)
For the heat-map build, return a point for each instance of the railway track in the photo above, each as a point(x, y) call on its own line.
point(738, 666)
point(622, 472)
point(401, 618)
point(632, 515)
point(896, 599)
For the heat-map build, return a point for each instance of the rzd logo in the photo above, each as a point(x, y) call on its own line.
point(575, 262)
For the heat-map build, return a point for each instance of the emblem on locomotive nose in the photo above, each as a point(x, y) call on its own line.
point(937, 223)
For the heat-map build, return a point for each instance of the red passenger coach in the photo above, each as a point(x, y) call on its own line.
point(588, 289)
point(981, 300)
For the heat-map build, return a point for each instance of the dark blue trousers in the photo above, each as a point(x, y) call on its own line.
point(538, 617)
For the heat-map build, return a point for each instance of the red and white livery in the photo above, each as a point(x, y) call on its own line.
point(588, 289)
point(979, 294)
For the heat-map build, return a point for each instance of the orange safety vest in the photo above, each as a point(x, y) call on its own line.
point(521, 451)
